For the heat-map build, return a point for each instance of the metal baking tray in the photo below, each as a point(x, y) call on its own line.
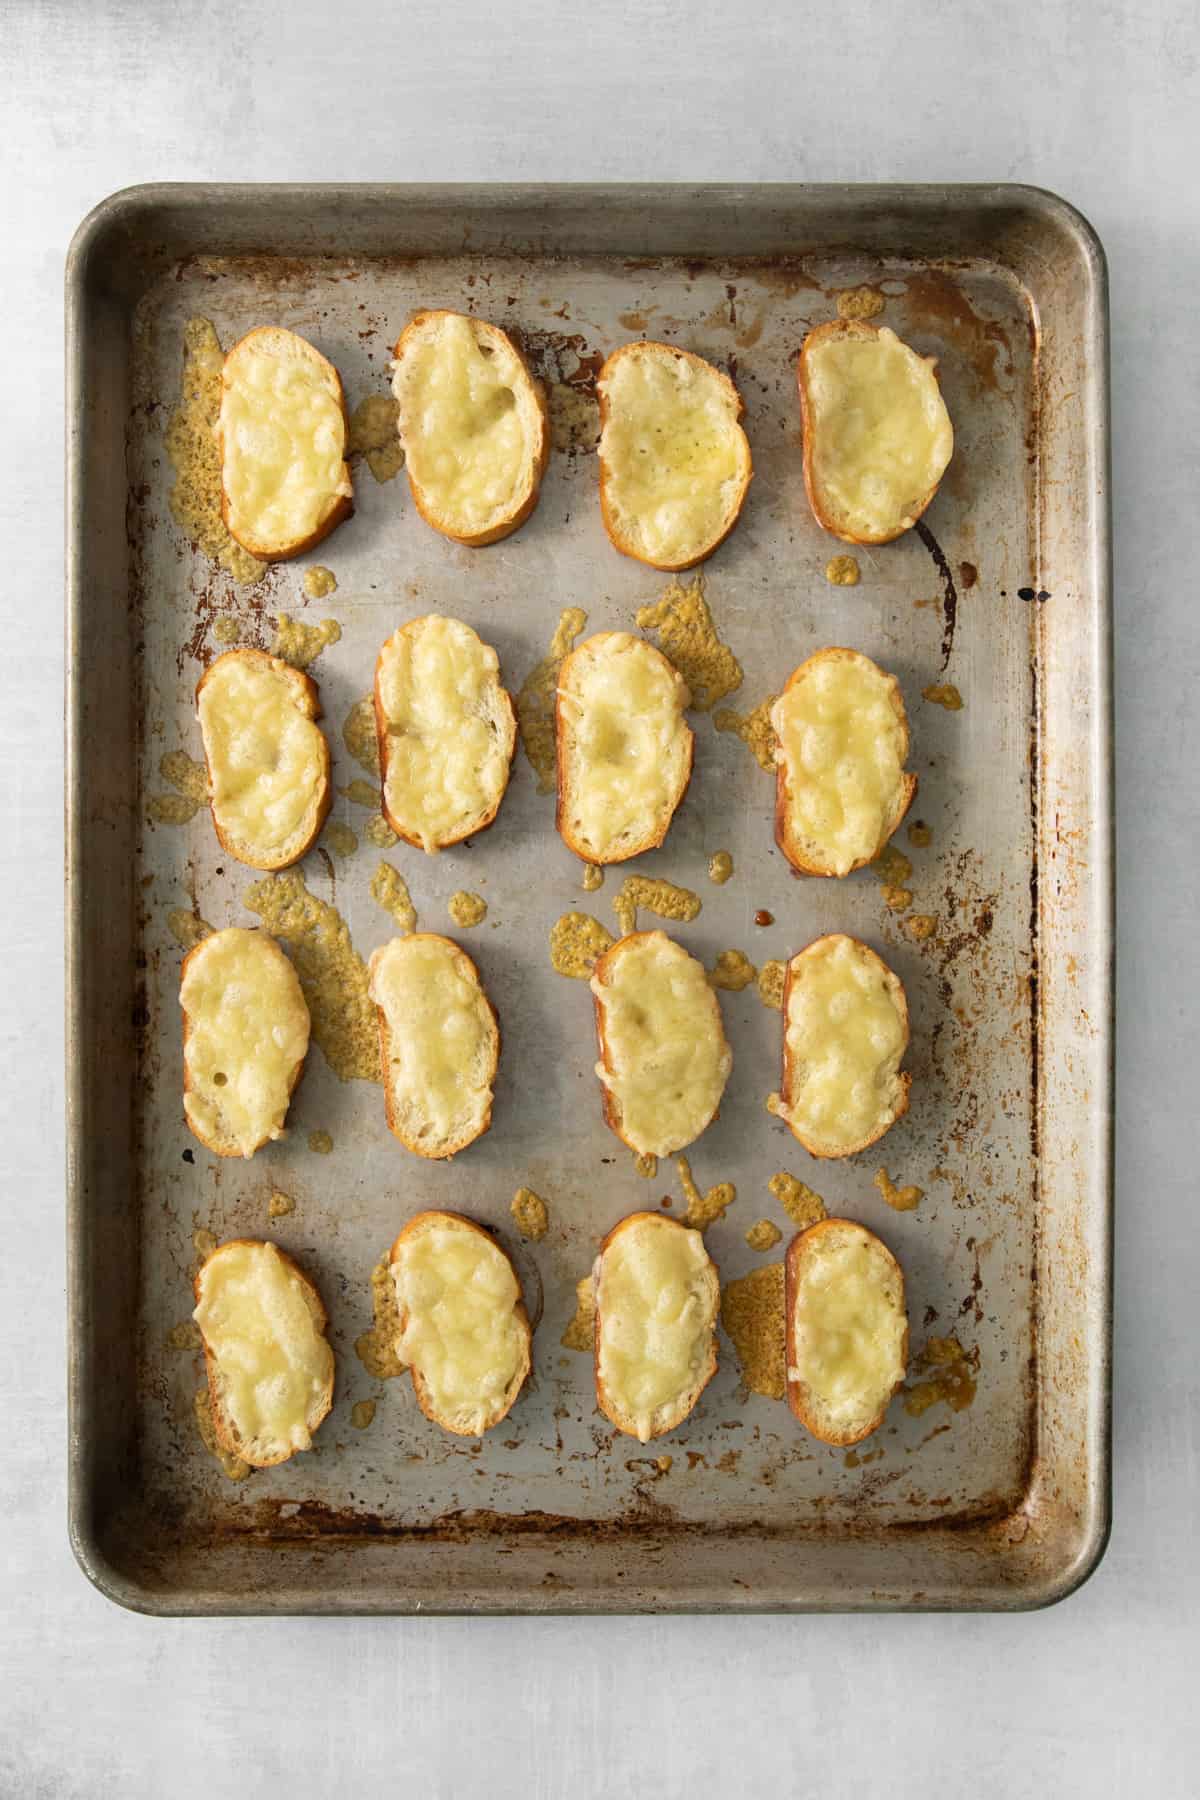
point(1002, 1503)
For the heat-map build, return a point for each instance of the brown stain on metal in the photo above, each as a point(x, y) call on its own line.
point(942, 307)
point(949, 591)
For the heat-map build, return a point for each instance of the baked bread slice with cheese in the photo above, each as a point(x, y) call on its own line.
point(268, 1361)
point(846, 1330)
point(658, 1296)
point(674, 461)
point(447, 732)
point(440, 1043)
point(473, 423)
point(841, 788)
point(464, 1333)
point(268, 760)
point(245, 1038)
point(281, 432)
point(876, 434)
point(845, 1031)
point(664, 1058)
point(623, 747)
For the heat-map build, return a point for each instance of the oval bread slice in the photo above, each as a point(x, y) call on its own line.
point(464, 1330)
point(281, 432)
point(664, 1059)
point(440, 1043)
point(245, 1038)
point(845, 1031)
point(447, 732)
point(473, 424)
point(674, 461)
point(623, 747)
point(269, 1363)
point(841, 787)
point(876, 433)
point(268, 761)
point(847, 1330)
point(658, 1295)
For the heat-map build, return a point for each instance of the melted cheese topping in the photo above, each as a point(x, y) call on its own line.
point(881, 436)
point(626, 742)
point(469, 422)
point(848, 1326)
point(842, 746)
point(457, 1296)
point(283, 439)
point(267, 759)
point(666, 1058)
point(442, 1036)
point(274, 1367)
point(657, 1298)
point(450, 730)
point(675, 458)
point(247, 1031)
point(845, 1035)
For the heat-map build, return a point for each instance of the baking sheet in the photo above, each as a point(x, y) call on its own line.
point(999, 1501)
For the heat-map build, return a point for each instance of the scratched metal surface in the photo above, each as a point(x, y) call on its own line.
point(742, 1472)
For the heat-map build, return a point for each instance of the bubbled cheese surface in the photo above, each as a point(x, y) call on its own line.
point(247, 1030)
point(457, 1296)
point(283, 438)
point(267, 759)
point(848, 1327)
point(845, 1037)
point(441, 1036)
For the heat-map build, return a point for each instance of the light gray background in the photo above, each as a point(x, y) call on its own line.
point(1101, 103)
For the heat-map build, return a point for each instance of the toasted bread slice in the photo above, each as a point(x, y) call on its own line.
point(473, 423)
point(841, 787)
point(674, 462)
point(847, 1330)
point(245, 1038)
point(658, 1296)
point(268, 761)
point(623, 747)
point(464, 1331)
point(281, 432)
point(269, 1363)
point(877, 436)
point(845, 1031)
point(447, 732)
point(664, 1059)
point(440, 1043)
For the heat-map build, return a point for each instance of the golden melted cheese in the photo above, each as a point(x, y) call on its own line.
point(666, 1058)
point(247, 1029)
point(469, 421)
point(845, 1035)
point(657, 1298)
point(442, 1036)
point(881, 435)
point(450, 730)
point(848, 1327)
point(842, 745)
point(273, 1365)
point(461, 1332)
point(675, 459)
point(268, 761)
point(283, 440)
point(628, 746)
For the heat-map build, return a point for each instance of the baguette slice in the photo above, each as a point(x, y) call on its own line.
point(464, 1330)
point(876, 433)
point(440, 1043)
point(841, 787)
point(674, 462)
point(268, 1360)
point(473, 423)
point(664, 1059)
point(623, 747)
point(245, 1038)
point(845, 1031)
point(281, 432)
point(447, 732)
point(658, 1295)
point(847, 1330)
point(268, 761)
